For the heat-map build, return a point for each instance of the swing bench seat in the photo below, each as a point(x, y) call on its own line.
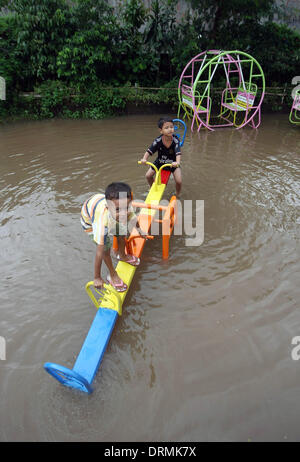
point(243, 101)
point(189, 103)
point(192, 103)
point(189, 98)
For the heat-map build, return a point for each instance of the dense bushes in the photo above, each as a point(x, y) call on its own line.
point(75, 54)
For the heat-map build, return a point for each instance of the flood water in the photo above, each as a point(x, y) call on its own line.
point(203, 351)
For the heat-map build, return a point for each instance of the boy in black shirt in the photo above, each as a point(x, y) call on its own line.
point(168, 149)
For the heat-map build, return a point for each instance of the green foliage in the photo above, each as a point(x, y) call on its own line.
point(53, 96)
point(214, 18)
point(75, 53)
point(247, 25)
point(57, 99)
point(141, 96)
point(132, 61)
point(88, 55)
point(42, 28)
point(160, 37)
point(4, 3)
point(280, 54)
point(10, 65)
point(99, 102)
point(190, 42)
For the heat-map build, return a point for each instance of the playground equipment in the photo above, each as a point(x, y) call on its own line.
point(295, 109)
point(180, 130)
point(108, 301)
point(241, 98)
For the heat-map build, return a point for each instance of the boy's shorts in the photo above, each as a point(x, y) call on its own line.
point(108, 238)
point(108, 242)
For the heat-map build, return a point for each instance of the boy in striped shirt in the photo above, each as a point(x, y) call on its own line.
point(104, 216)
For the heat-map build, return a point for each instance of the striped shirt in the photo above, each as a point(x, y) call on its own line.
point(94, 217)
point(97, 221)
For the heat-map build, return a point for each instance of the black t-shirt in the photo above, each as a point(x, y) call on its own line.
point(165, 155)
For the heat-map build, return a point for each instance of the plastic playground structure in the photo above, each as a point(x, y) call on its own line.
point(108, 301)
point(241, 97)
point(295, 109)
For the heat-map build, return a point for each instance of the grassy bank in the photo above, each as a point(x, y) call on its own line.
point(55, 99)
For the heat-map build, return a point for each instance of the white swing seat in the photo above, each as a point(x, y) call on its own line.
point(244, 100)
point(189, 99)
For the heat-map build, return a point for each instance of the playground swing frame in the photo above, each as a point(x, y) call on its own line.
point(239, 99)
point(294, 116)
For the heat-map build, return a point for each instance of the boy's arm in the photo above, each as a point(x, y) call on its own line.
point(178, 160)
point(98, 281)
point(177, 152)
point(145, 158)
point(133, 223)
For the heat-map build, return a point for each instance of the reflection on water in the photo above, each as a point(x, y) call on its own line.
point(203, 349)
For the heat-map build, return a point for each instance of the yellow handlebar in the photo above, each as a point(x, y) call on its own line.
point(149, 163)
point(108, 295)
point(158, 176)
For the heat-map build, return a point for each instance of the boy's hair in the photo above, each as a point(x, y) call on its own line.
point(164, 120)
point(114, 190)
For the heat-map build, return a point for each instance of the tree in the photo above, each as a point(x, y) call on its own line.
point(42, 28)
point(89, 53)
point(215, 18)
point(133, 58)
point(160, 37)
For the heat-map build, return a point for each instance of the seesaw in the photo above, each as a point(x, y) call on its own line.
point(108, 301)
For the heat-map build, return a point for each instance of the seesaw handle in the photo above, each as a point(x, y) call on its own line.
point(157, 178)
point(108, 296)
point(139, 237)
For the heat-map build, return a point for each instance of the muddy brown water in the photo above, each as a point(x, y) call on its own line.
point(203, 350)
